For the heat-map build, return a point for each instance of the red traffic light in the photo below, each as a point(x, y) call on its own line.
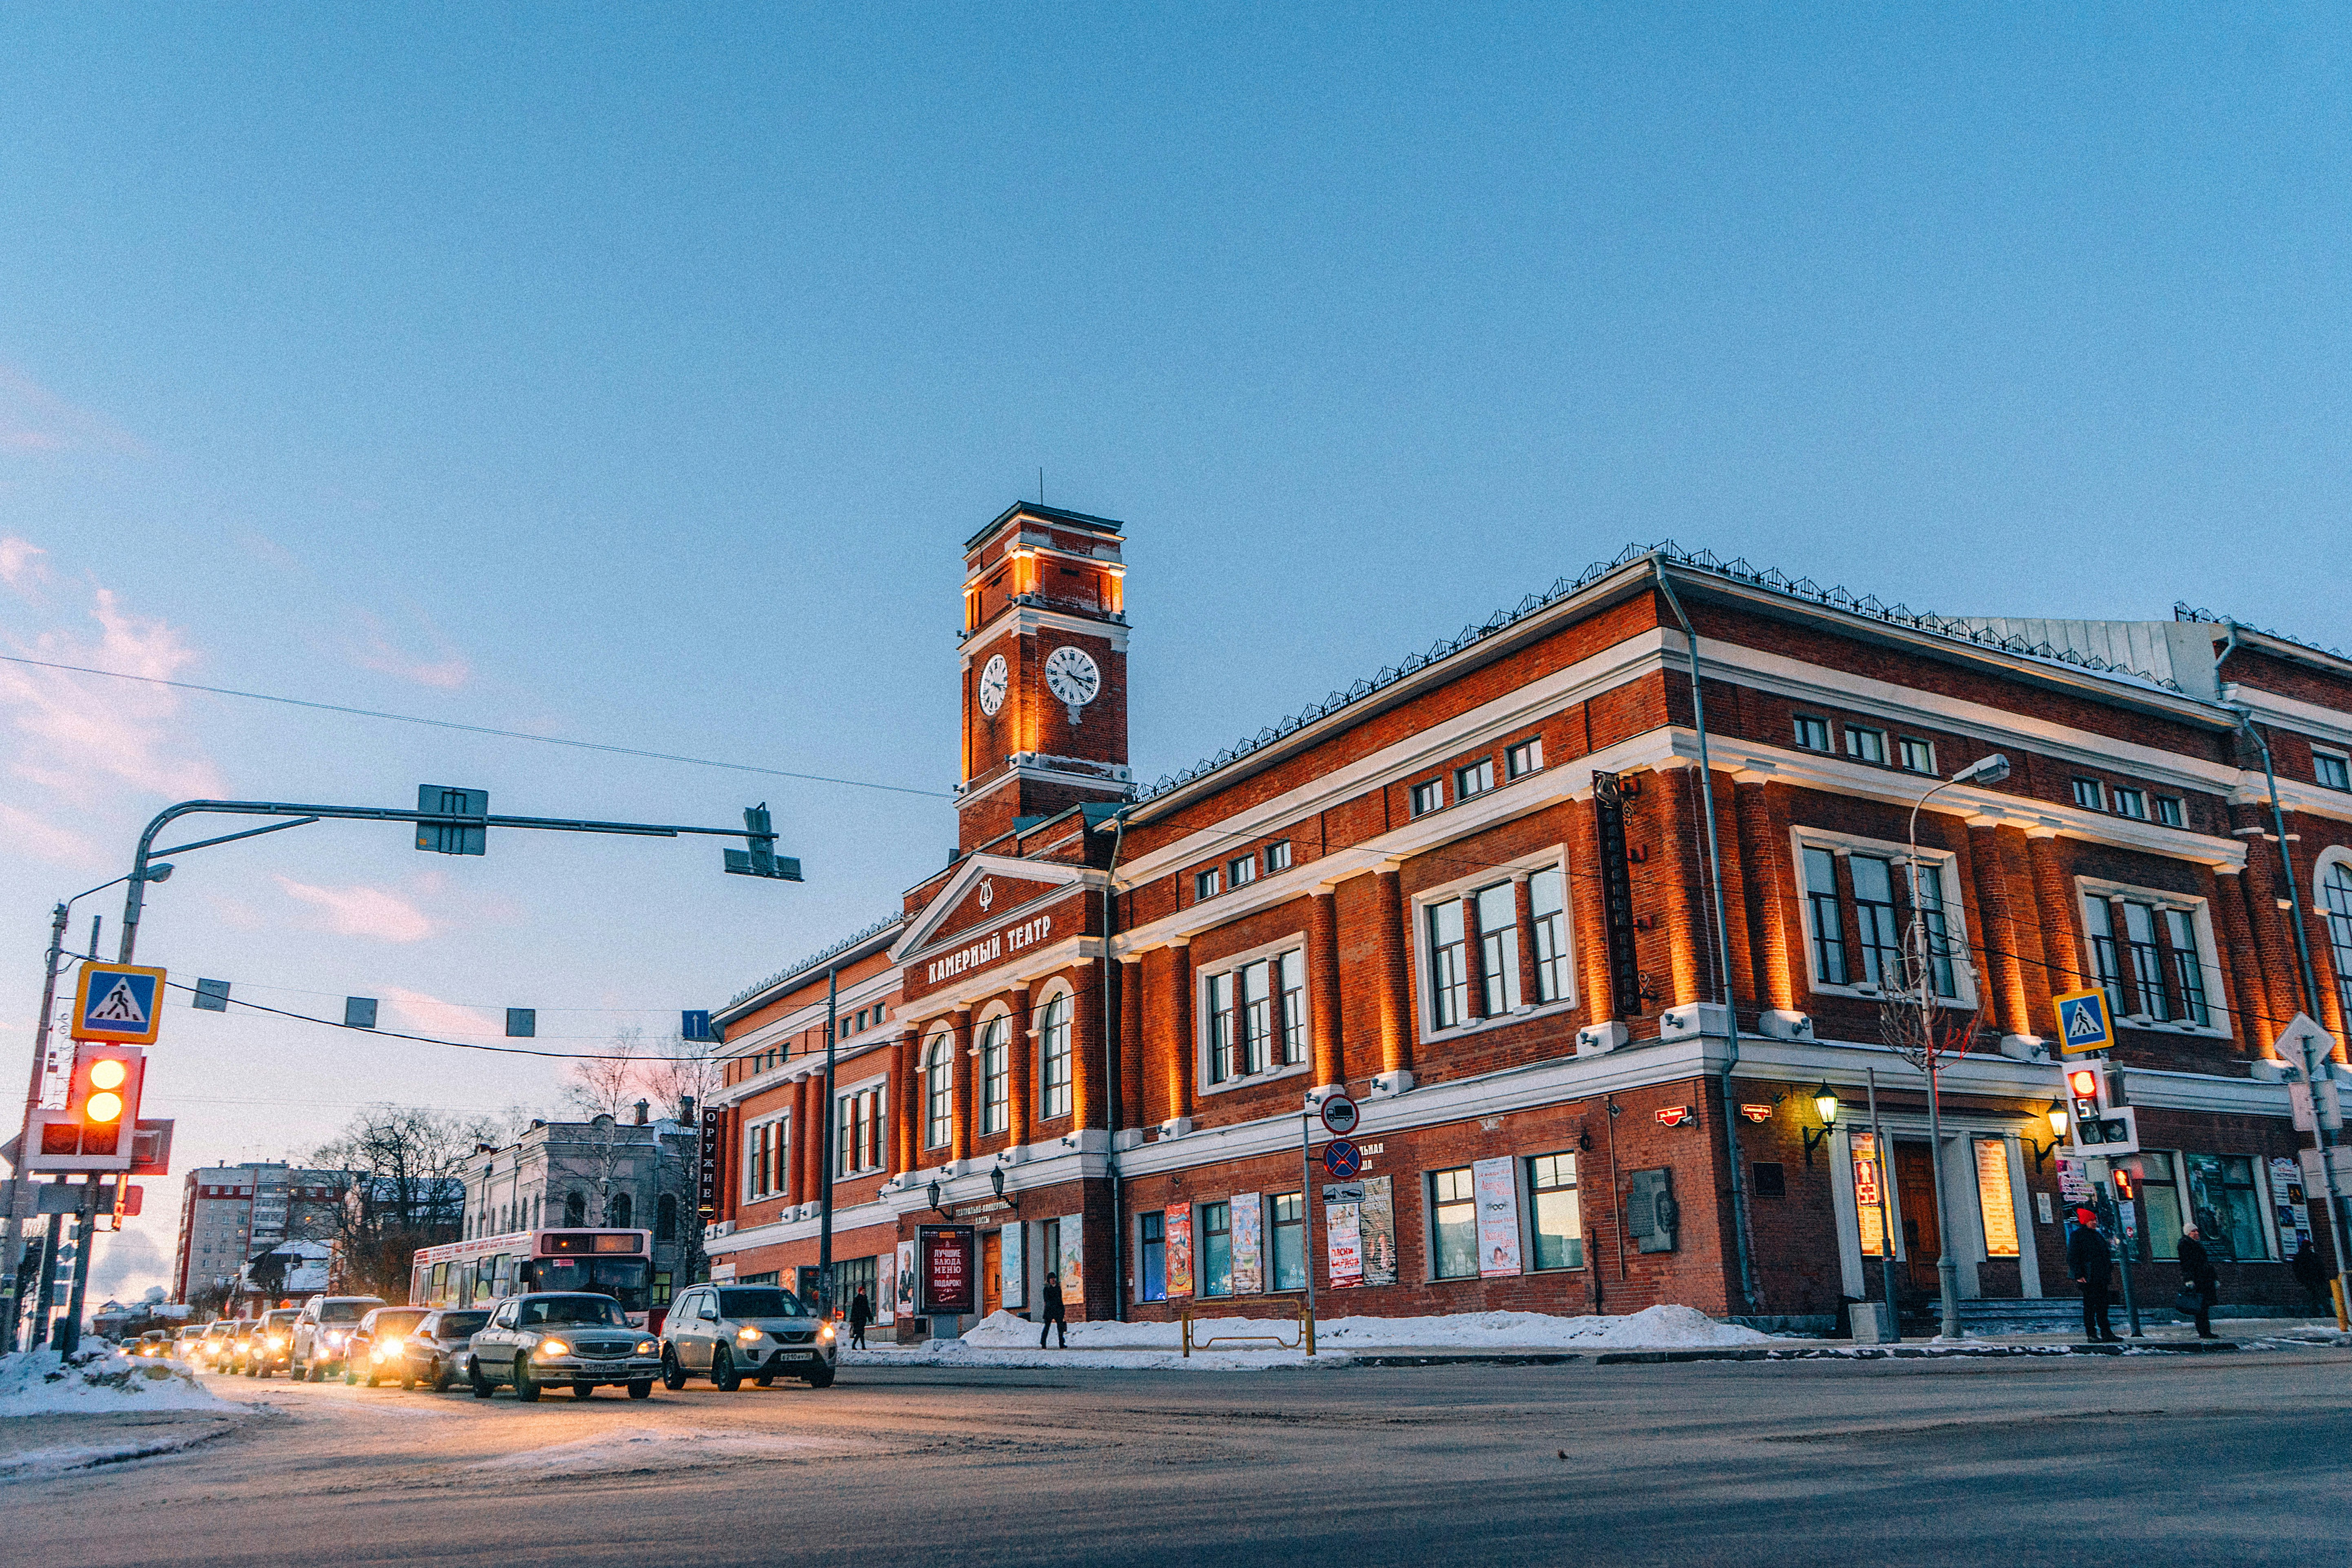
point(2083, 1083)
point(104, 1096)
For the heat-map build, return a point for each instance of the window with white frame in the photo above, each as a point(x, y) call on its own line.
point(1427, 796)
point(2170, 811)
point(938, 1092)
point(1242, 871)
point(1277, 857)
point(1498, 947)
point(1525, 758)
point(1449, 966)
point(2090, 795)
point(1865, 949)
point(1054, 1058)
point(1256, 1003)
point(2131, 803)
point(1218, 1000)
point(1916, 755)
point(1207, 884)
point(1477, 778)
point(1865, 745)
point(1290, 977)
point(764, 1167)
point(2335, 898)
point(2331, 769)
point(995, 1075)
point(1547, 902)
point(1254, 1015)
point(1823, 915)
point(1812, 734)
point(1453, 1225)
point(1874, 919)
point(2153, 964)
point(857, 1132)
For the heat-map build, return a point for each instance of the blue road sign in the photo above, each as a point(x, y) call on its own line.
point(2083, 1024)
point(1343, 1160)
point(117, 1003)
point(693, 1023)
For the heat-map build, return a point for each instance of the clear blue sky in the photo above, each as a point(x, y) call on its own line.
point(634, 375)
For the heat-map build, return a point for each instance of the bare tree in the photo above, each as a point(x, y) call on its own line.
point(403, 1188)
point(604, 1088)
point(684, 1070)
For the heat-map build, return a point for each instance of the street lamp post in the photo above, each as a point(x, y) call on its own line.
point(1929, 1052)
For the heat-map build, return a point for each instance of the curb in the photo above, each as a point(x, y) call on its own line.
point(1906, 1353)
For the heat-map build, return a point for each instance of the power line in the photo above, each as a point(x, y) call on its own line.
point(480, 729)
point(430, 1039)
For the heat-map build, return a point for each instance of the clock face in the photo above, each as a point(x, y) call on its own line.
point(993, 678)
point(1071, 677)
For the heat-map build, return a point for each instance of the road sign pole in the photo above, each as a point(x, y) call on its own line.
point(1307, 1217)
point(85, 1224)
point(2128, 1240)
point(11, 1247)
point(824, 1212)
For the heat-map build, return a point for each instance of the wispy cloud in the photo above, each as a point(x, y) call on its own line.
point(446, 667)
point(362, 911)
point(83, 729)
point(43, 839)
point(33, 419)
point(431, 1015)
point(20, 564)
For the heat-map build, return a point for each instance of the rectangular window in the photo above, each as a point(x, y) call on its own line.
point(2331, 770)
point(1828, 924)
point(1995, 1204)
point(1498, 947)
point(1427, 797)
point(1558, 1212)
point(1221, 1027)
point(1873, 911)
point(995, 1077)
point(2168, 811)
point(1256, 1013)
point(1454, 1224)
point(1241, 873)
point(2105, 956)
point(1547, 894)
point(1053, 1059)
point(1814, 734)
point(2222, 1196)
point(1476, 779)
point(2147, 966)
point(1278, 858)
point(1939, 935)
point(1449, 975)
point(1523, 759)
point(1917, 757)
point(2159, 1191)
point(1216, 1249)
point(1293, 975)
point(1153, 1237)
point(1865, 745)
point(2131, 803)
point(1289, 1241)
point(1207, 884)
point(2090, 795)
point(2187, 966)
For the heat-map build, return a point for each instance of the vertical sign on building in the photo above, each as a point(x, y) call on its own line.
point(1497, 1192)
point(947, 1264)
point(1865, 1196)
point(1343, 1242)
point(1180, 1251)
point(706, 1199)
point(1073, 1264)
point(1248, 1236)
point(1376, 1231)
point(1616, 895)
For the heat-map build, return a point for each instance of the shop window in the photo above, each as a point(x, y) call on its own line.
point(1278, 858)
point(2227, 1205)
point(1523, 759)
point(1865, 745)
point(1216, 1249)
point(1289, 1241)
point(2159, 1191)
point(1242, 872)
point(1996, 1200)
point(1053, 1059)
point(1454, 1224)
point(1548, 897)
point(1152, 1242)
point(2090, 795)
point(1476, 779)
point(1427, 796)
point(1557, 1213)
point(1916, 756)
point(1812, 734)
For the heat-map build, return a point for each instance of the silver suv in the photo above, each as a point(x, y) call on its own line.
point(321, 1332)
point(560, 1339)
point(726, 1332)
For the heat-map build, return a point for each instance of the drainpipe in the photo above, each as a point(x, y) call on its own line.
point(2302, 956)
point(1740, 1233)
point(1111, 1047)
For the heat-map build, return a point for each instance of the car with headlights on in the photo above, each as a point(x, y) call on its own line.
point(372, 1354)
point(728, 1333)
point(230, 1357)
point(212, 1344)
point(154, 1342)
point(434, 1352)
point(566, 1339)
point(323, 1331)
point(270, 1346)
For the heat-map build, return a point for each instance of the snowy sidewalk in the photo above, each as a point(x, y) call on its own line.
point(102, 1408)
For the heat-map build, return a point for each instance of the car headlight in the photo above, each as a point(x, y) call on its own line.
point(276, 1343)
point(647, 1347)
point(332, 1339)
point(554, 1347)
point(749, 1336)
point(824, 1331)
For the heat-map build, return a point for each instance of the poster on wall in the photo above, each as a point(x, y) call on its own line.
point(1073, 1266)
point(1869, 1219)
point(1376, 1232)
point(1014, 1277)
point(1343, 1242)
point(2291, 1204)
point(1249, 1222)
point(905, 1292)
point(1497, 1190)
point(948, 1264)
point(1180, 1251)
point(886, 1286)
point(2074, 1181)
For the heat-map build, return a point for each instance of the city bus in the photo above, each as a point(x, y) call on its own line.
point(615, 1263)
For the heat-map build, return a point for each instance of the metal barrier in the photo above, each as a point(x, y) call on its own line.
point(1300, 1309)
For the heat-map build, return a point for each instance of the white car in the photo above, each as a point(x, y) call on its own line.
point(321, 1332)
point(566, 1338)
point(728, 1333)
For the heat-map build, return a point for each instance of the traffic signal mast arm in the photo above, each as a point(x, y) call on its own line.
point(762, 843)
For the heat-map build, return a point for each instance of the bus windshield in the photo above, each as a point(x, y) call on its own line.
point(623, 1279)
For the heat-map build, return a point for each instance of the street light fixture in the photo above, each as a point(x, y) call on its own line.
point(1825, 1103)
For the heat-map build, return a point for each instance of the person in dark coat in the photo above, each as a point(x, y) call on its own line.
point(2197, 1274)
point(2312, 1274)
point(1053, 1322)
point(2089, 1260)
point(861, 1312)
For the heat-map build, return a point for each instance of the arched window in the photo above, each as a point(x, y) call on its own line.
point(2336, 893)
point(1053, 1059)
point(995, 1077)
point(666, 1219)
point(938, 1092)
point(620, 1211)
point(575, 1208)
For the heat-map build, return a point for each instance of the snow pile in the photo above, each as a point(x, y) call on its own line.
point(89, 1455)
point(1653, 1328)
point(634, 1449)
point(98, 1380)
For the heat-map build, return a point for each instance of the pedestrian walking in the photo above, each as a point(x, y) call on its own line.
point(861, 1312)
point(2312, 1274)
point(1053, 1321)
point(2200, 1286)
point(2089, 1260)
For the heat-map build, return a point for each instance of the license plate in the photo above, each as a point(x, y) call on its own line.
point(602, 1366)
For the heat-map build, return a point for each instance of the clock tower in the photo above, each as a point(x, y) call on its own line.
point(1045, 670)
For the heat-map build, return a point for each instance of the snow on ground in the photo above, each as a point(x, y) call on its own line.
point(1004, 1339)
point(86, 1455)
point(99, 1380)
point(631, 1450)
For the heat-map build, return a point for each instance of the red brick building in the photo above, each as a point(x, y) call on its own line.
point(1478, 892)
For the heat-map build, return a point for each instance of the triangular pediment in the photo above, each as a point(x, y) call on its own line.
point(983, 890)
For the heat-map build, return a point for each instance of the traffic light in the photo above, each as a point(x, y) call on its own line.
point(2127, 1185)
point(760, 860)
point(104, 1096)
point(2098, 1121)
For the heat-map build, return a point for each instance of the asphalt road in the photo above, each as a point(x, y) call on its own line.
point(2148, 1459)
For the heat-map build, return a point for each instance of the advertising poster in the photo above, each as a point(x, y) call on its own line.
point(947, 1257)
point(886, 1286)
point(1249, 1224)
point(2292, 1205)
point(1073, 1269)
point(1873, 1225)
point(1180, 1252)
point(905, 1295)
point(1498, 1217)
point(1376, 1232)
point(1014, 1278)
point(2073, 1181)
point(1343, 1242)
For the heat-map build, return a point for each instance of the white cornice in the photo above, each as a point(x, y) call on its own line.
point(2331, 724)
point(1027, 620)
point(1058, 875)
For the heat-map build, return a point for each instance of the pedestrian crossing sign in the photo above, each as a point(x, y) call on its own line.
point(2083, 1024)
point(118, 1003)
